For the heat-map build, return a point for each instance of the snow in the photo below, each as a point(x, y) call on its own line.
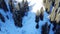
point(37, 6)
point(28, 21)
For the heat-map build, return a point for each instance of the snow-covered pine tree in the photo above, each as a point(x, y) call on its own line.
point(19, 14)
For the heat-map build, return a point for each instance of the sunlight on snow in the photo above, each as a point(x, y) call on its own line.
point(37, 6)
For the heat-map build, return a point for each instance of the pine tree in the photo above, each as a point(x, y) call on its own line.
point(11, 6)
point(3, 5)
point(2, 18)
point(19, 14)
point(45, 28)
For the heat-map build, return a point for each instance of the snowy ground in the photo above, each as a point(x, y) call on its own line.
point(28, 21)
